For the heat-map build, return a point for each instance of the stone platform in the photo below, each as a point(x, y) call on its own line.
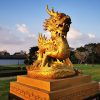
point(74, 88)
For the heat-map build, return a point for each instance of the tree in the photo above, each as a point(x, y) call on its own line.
point(4, 53)
point(32, 56)
point(97, 49)
point(81, 49)
point(81, 56)
point(91, 49)
point(73, 58)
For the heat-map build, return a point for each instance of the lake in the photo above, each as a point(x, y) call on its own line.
point(11, 61)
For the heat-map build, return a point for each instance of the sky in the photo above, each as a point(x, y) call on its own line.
point(22, 20)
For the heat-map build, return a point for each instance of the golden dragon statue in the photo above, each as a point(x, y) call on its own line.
point(53, 55)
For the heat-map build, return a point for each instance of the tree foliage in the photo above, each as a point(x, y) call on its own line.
point(90, 53)
point(31, 57)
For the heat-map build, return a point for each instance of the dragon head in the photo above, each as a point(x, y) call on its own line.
point(58, 23)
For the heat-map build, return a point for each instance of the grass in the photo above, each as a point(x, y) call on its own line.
point(11, 67)
point(5, 81)
point(14, 66)
point(88, 69)
point(10, 70)
point(4, 88)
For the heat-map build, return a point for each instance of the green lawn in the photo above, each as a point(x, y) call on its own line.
point(14, 66)
point(5, 81)
point(94, 71)
point(21, 65)
point(11, 67)
point(9, 70)
point(4, 87)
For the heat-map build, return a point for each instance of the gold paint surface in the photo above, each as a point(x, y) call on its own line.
point(53, 55)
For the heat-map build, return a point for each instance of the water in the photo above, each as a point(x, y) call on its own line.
point(11, 61)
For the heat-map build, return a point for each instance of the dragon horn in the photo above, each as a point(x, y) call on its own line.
point(39, 35)
point(51, 13)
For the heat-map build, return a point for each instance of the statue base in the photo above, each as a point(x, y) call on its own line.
point(74, 88)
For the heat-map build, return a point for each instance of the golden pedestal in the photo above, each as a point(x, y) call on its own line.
point(74, 88)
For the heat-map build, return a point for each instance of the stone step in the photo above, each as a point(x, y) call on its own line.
point(54, 84)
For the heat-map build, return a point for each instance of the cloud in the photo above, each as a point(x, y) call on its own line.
point(22, 28)
point(74, 34)
point(91, 36)
point(77, 38)
point(12, 40)
point(8, 37)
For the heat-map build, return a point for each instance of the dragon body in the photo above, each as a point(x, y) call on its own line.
point(53, 54)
